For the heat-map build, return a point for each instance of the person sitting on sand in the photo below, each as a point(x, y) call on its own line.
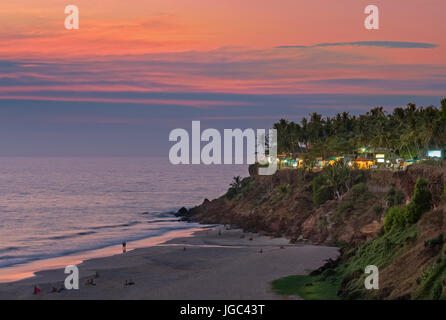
point(129, 283)
point(36, 290)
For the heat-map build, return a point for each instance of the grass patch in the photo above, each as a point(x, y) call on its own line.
point(347, 279)
point(431, 282)
point(381, 250)
point(299, 285)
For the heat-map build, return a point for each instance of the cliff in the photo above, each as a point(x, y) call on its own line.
point(412, 261)
point(282, 204)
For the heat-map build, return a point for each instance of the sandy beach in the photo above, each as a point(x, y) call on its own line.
point(214, 263)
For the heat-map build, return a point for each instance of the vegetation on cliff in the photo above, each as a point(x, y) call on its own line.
point(405, 239)
point(408, 131)
point(409, 251)
point(391, 219)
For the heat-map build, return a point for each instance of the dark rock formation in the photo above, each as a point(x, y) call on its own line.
point(182, 212)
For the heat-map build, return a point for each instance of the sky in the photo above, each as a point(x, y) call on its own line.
point(137, 69)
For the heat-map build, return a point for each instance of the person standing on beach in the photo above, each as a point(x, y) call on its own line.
point(124, 247)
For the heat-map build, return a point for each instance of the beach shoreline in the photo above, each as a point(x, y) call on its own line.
point(31, 269)
point(206, 263)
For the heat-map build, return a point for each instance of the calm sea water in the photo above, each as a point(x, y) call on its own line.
point(51, 207)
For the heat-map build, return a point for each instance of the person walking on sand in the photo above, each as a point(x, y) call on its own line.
point(124, 247)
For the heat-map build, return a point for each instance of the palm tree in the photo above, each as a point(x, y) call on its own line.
point(236, 183)
point(408, 131)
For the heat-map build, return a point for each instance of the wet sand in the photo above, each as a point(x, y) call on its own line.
point(212, 264)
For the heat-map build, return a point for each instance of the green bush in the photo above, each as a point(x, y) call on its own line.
point(377, 209)
point(427, 272)
point(280, 193)
point(437, 241)
point(394, 197)
point(420, 202)
point(395, 218)
point(429, 277)
point(388, 246)
point(388, 220)
point(437, 291)
point(321, 191)
point(319, 181)
point(358, 190)
point(246, 186)
point(284, 189)
point(322, 195)
point(232, 192)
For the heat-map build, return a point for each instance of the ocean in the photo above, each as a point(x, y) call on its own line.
point(52, 207)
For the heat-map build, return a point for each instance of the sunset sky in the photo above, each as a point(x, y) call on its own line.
point(137, 69)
